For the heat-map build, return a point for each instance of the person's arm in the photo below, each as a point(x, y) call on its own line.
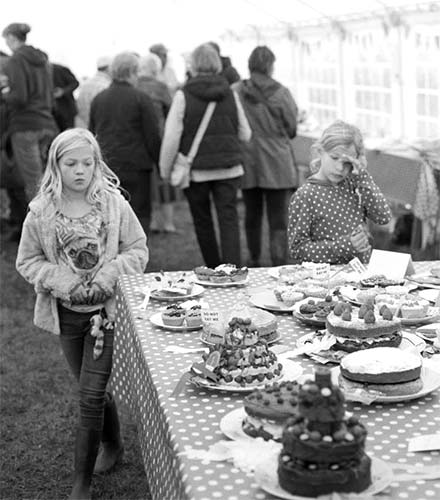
point(17, 96)
point(302, 246)
point(68, 82)
point(150, 127)
point(133, 251)
point(244, 129)
point(56, 279)
point(172, 135)
point(375, 204)
point(289, 112)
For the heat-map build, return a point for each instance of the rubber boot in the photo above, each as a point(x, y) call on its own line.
point(278, 247)
point(86, 450)
point(112, 448)
point(167, 210)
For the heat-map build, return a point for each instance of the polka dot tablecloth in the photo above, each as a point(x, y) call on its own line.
point(144, 376)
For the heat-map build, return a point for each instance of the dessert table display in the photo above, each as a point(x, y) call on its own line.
point(178, 421)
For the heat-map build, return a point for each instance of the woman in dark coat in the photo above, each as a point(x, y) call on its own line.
point(270, 171)
point(124, 121)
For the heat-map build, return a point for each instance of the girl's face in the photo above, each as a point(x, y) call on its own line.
point(77, 167)
point(335, 164)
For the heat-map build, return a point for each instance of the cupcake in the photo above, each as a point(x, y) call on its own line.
point(193, 316)
point(173, 315)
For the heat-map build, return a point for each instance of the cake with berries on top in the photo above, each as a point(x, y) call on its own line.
point(267, 409)
point(363, 328)
point(323, 451)
point(244, 359)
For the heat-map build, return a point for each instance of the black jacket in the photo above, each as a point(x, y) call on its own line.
point(30, 100)
point(125, 124)
point(65, 108)
point(220, 147)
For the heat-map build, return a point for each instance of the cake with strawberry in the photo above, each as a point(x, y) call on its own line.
point(224, 273)
point(323, 450)
point(243, 359)
point(267, 409)
point(363, 328)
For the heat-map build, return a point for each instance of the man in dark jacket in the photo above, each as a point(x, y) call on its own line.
point(64, 83)
point(29, 101)
point(124, 121)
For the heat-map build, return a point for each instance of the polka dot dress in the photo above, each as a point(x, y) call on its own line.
point(322, 216)
point(145, 375)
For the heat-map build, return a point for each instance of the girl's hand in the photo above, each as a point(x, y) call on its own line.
point(96, 294)
point(360, 239)
point(79, 295)
point(357, 164)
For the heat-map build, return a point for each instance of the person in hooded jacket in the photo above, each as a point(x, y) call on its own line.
point(217, 168)
point(270, 172)
point(29, 101)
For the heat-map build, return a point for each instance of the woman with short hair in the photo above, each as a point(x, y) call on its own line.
point(270, 172)
point(124, 121)
point(217, 168)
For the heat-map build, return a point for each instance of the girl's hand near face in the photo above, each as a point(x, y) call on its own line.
point(357, 164)
point(79, 295)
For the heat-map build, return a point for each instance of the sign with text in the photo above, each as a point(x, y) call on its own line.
point(393, 265)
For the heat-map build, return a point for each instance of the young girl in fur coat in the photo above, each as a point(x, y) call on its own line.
point(79, 236)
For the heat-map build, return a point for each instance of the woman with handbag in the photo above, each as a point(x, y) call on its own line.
point(270, 172)
point(202, 153)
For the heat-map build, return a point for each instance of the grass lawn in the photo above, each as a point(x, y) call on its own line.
point(38, 408)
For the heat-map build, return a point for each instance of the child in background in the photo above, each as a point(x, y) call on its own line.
point(79, 236)
point(327, 215)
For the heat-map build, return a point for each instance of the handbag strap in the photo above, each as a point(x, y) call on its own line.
point(201, 131)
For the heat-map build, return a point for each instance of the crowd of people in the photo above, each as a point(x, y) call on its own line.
point(84, 174)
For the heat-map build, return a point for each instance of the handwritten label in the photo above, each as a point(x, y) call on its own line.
point(211, 316)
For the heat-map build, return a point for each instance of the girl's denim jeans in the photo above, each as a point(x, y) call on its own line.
point(77, 344)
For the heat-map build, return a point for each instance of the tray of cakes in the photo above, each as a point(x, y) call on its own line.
point(241, 361)
point(223, 275)
point(168, 289)
point(321, 273)
point(323, 450)
point(429, 279)
point(180, 316)
point(313, 311)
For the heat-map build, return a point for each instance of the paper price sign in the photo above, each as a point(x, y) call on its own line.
point(211, 316)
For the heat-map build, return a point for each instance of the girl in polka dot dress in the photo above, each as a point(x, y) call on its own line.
point(327, 215)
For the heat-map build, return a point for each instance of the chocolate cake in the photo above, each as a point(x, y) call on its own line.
point(268, 409)
point(363, 328)
point(388, 370)
point(243, 358)
point(323, 452)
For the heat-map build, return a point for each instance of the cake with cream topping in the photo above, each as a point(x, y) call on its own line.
point(224, 273)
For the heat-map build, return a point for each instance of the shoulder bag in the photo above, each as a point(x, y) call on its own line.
point(180, 174)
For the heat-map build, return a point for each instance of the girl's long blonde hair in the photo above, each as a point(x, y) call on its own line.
point(103, 180)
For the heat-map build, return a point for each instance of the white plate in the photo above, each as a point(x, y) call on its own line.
point(425, 280)
point(195, 292)
point(430, 379)
point(266, 477)
point(275, 339)
point(409, 341)
point(231, 426)
point(267, 300)
point(433, 315)
point(156, 319)
point(275, 271)
point(229, 283)
point(291, 371)
point(431, 327)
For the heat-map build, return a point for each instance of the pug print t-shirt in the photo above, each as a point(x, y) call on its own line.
point(81, 246)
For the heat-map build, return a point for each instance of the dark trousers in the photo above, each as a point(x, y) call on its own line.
point(224, 196)
point(77, 344)
point(277, 204)
point(138, 185)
